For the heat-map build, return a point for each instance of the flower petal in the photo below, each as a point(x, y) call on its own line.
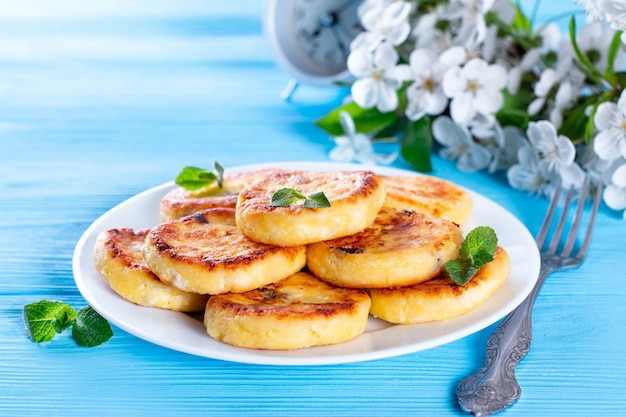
point(360, 63)
point(385, 56)
point(462, 108)
point(453, 82)
point(619, 176)
point(446, 132)
point(494, 77)
point(453, 56)
point(474, 160)
point(365, 92)
point(387, 97)
point(341, 154)
point(488, 101)
point(615, 197)
point(605, 147)
point(346, 122)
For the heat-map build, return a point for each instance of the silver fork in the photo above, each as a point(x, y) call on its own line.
point(494, 387)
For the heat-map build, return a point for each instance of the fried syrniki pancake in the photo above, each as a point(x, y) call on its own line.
point(118, 258)
point(299, 311)
point(180, 202)
point(440, 298)
point(206, 253)
point(428, 195)
point(398, 248)
point(355, 198)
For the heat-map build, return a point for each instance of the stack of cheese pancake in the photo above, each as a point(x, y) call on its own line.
point(289, 277)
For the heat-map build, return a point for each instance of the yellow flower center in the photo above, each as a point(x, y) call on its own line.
point(472, 86)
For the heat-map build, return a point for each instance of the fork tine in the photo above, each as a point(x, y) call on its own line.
point(594, 210)
point(571, 238)
point(545, 226)
point(561, 225)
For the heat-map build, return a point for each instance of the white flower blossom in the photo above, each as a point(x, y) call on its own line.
point(472, 14)
point(425, 95)
point(354, 146)
point(459, 145)
point(529, 174)
point(610, 120)
point(594, 40)
point(554, 150)
point(475, 88)
point(502, 143)
point(383, 22)
point(614, 194)
point(612, 11)
point(378, 77)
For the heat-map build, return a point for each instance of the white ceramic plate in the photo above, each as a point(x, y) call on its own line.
point(183, 333)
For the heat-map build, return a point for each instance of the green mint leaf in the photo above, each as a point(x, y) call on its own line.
point(460, 271)
point(45, 318)
point(90, 328)
point(479, 245)
point(220, 174)
point(285, 197)
point(194, 178)
point(316, 200)
point(477, 249)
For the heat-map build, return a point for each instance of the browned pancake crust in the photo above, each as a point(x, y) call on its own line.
point(355, 198)
point(398, 248)
point(180, 202)
point(297, 312)
point(428, 195)
point(440, 298)
point(118, 258)
point(206, 253)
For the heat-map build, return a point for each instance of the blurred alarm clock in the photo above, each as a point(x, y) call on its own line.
point(311, 38)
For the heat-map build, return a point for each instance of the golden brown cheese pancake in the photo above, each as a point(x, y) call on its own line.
point(181, 202)
point(440, 298)
point(428, 195)
point(355, 198)
point(399, 248)
point(206, 253)
point(297, 312)
point(118, 258)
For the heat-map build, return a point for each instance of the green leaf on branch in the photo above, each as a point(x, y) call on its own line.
point(90, 328)
point(586, 66)
point(512, 117)
point(520, 21)
point(416, 145)
point(575, 124)
point(477, 249)
point(614, 49)
point(365, 120)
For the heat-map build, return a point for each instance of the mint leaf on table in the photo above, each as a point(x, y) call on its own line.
point(90, 328)
point(45, 319)
point(287, 196)
point(194, 178)
point(477, 249)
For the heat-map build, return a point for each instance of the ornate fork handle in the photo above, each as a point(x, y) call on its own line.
point(494, 387)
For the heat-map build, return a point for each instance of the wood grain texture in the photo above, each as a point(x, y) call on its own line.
point(101, 100)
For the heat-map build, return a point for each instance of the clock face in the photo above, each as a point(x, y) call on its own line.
point(312, 37)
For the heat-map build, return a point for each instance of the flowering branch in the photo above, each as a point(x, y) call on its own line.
point(476, 82)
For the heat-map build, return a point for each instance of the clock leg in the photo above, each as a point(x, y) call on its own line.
point(290, 88)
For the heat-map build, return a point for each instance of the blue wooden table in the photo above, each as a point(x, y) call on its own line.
point(101, 100)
